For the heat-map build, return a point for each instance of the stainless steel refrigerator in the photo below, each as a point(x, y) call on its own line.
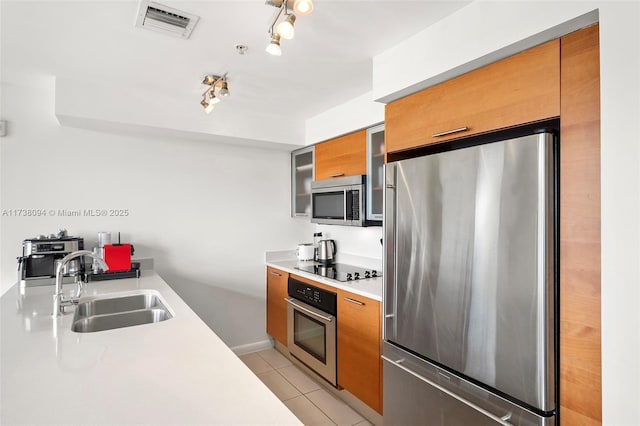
point(470, 293)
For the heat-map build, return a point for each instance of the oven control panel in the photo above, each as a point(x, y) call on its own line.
point(309, 294)
point(317, 297)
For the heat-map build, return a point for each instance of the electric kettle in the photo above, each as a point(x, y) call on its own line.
point(326, 251)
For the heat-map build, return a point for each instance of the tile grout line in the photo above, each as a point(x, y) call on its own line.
point(321, 387)
point(305, 374)
point(362, 419)
point(311, 402)
point(327, 414)
point(304, 395)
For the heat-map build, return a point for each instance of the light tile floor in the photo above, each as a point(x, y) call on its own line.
point(303, 395)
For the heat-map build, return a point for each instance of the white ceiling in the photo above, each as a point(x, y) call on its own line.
point(327, 63)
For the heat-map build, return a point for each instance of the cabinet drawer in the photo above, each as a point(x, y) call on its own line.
point(519, 89)
point(343, 156)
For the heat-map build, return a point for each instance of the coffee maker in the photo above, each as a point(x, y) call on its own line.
point(38, 263)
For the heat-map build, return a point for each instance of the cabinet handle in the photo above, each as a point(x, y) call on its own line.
point(449, 132)
point(357, 302)
point(336, 175)
point(275, 273)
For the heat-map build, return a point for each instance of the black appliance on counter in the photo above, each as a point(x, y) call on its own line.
point(37, 265)
point(339, 271)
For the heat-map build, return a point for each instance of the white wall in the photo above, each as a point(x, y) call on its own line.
point(356, 114)
point(353, 240)
point(484, 27)
point(206, 212)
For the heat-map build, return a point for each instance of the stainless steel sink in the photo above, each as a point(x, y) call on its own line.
point(110, 312)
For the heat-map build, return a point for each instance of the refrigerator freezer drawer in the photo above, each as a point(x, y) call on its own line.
point(418, 393)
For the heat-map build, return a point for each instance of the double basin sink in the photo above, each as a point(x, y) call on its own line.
point(118, 311)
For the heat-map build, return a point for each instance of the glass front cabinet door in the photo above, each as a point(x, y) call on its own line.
point(301, 177)
point(375, 172)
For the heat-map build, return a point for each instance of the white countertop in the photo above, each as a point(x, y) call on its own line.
point(369, 287)
point(175, 372)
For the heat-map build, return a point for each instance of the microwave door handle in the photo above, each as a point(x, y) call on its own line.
point(344, 204)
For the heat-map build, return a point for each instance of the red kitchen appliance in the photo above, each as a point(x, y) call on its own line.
point(118, 256)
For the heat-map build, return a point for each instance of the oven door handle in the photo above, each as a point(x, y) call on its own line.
point(290, 301)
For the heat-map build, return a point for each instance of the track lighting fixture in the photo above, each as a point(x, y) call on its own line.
point(218, 87)
point(284, 29)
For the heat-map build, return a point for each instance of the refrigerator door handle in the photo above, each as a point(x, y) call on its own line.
point(501, 420)
point(389, 325)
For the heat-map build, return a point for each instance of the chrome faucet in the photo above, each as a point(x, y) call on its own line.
point(59, 301)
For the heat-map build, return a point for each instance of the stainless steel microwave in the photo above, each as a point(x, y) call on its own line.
point(339, 201)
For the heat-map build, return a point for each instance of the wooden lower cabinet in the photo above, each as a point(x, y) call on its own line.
point(359, 331)
point(359, 337)
point(276, 305)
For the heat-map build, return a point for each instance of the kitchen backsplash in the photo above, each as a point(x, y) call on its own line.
point(364, 242)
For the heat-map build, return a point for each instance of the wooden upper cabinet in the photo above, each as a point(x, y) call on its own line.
point(276, 305)
point(520, 89)
point(343, 156)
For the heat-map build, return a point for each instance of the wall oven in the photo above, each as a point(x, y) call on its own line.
point(339, 201)
point(311, 327)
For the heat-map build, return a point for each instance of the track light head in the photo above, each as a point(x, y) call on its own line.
point(213, 99)
point(208, 106)
point(224, 88)
point(274, 46)
point(303, 7)
point(285, 28)
point(210, 79)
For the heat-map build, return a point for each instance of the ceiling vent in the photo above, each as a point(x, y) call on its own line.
point(160, 18)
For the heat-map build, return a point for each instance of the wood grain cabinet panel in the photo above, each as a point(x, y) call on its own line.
point(520, 89)
point(580, 278)
point(343, 156)
point(359, 338)
point(276, 305)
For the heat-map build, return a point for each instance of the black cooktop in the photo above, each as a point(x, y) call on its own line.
point(340, 271)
